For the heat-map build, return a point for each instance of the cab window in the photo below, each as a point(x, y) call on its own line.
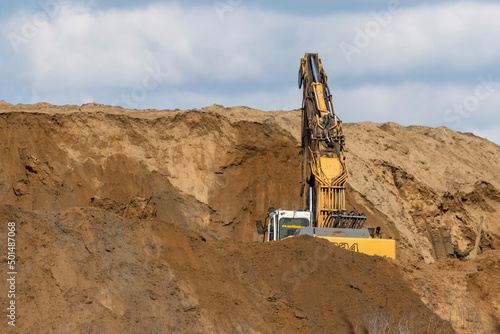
point(288, 226)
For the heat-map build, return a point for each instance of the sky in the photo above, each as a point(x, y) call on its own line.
point(431, 63)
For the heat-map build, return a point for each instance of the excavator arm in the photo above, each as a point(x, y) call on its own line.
point(324, 169)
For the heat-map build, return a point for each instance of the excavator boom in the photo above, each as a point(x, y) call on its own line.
point(324, 169)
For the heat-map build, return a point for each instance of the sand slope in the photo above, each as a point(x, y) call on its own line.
point(135, 220)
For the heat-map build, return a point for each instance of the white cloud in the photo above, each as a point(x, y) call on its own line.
point(415, 103)
point(455, 36)
point(80, 48)
point(83, 47)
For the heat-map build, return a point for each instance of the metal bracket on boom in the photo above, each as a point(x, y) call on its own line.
point(344, 219)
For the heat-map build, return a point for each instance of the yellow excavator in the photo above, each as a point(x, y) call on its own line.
point(324, 176)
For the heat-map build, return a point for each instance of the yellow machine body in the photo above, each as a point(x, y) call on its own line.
point(369, 246)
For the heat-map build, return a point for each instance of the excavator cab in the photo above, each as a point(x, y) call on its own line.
point(285, 223)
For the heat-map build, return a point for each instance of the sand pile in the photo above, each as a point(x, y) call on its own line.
point(133, 220)
point(86, 270)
